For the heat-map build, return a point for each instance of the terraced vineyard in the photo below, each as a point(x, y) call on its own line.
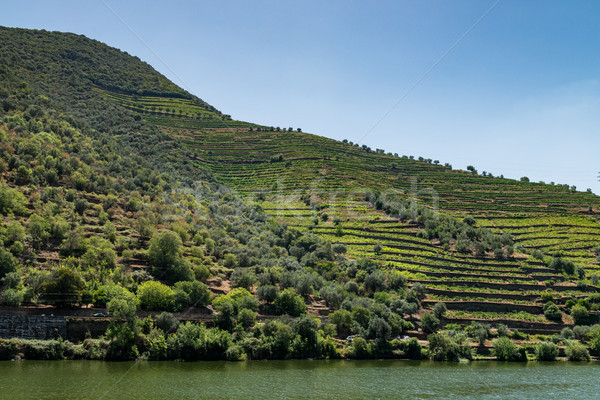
point(315, 183)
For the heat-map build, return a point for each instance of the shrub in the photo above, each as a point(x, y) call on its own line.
point(552, 312)
point(567, 333)
point(429, 323)
point(359, 349)
point(443, 347)
point(239, 298)
point(164, 249)
point(546, 351)
point(439, 309)
point(288, 302)
point(166, 322)
point(154, 295)
point(7, 262)
point(198, 292)
point(11, 297)
point(580, 314)
point(577, 352)
point(505, 350)
point(267, 293)
point(342, 319)
point(379, 329)
point(413, 349)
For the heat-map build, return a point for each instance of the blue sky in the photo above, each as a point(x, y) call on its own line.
point(519, 95)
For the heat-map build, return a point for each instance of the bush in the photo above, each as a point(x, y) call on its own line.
point(267, 293)
point(198, 292)
point(379, 329)
point(7, 262)
point(546, 351)
point(505, 350)
point(288, 302)
point(577, 352)
point(154, 295)
point(166, 322)
point(429, 323)
point(413, 349)
point(443, 347)
point(342, 319)
point(552, 312)
point(567, 333)
point(580, 314)
point(439, 309)
point(359, 349)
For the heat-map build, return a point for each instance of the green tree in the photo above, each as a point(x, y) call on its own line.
point(546, 351)
point(505, 349)
point(198, 292)
point(165, 249)
point(8, 263)
point(379, 329)
point(342, 319)
point(288, 302)
point(443, 347)
point(429, 323)
point(580, 314)
point(577, 351)
point(64, 287)
point(552, 312)
point(267, 293)
point(154, 295)
point(439, 309)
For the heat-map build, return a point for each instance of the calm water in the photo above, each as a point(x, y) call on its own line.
point(297, 380)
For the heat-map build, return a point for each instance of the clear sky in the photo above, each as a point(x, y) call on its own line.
point(518, 95)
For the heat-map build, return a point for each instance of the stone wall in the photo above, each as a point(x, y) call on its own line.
point(32, 326)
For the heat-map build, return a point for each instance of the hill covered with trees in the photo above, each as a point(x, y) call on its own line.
point(122, 192)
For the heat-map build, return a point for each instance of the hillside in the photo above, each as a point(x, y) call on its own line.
point(122, 191)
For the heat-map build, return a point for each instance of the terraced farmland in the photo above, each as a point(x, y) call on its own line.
point(315, 183)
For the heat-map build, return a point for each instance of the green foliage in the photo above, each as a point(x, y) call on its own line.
point(429, 322)
point(198, 293)
point(64, 287)
point(577, 352)
point(546, 351)
point(11, 200)
point(288, 302)
point(552, 312)
point(8, 263)
point(239, 298)
point(164, 249)
point(267, 293)
point(412, 349)
point(580, 314)
point(439, 309)
point(166, 322)
point(359, 349)
point(155, 295)
point(342, 319)
point(196, 342)
point(505, 350)
point(443, 347)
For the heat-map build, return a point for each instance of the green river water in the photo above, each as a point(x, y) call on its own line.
point(298, 379)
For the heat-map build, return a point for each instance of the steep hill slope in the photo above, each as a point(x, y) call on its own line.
point(115, 183)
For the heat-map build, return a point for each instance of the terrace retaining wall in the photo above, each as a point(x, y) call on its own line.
point(32, 326)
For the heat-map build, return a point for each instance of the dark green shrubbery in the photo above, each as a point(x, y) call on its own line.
point(546, 351)
point(506, 350)
point(447, 347)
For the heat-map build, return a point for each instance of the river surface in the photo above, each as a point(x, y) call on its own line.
point(298, 379)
